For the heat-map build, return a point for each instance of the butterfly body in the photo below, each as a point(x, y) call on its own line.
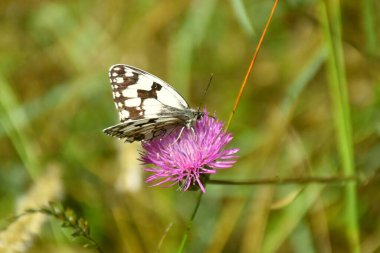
point(148, 107)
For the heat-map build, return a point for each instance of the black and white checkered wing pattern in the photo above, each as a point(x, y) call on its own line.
point(147, 106)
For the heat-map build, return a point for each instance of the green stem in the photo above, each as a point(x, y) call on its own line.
point(282, 181)
point(190, 224)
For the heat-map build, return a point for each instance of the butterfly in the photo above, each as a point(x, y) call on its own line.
point(148, 107)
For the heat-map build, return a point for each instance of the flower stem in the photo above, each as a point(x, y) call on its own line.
point(282, 181)
point(190, 224)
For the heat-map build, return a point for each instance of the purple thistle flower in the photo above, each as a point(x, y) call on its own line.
point(187, 161)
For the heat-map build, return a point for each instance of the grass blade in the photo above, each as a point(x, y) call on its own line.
point(330, 15)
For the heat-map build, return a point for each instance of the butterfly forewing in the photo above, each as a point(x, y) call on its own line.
point(138, 94)
point(148, 107)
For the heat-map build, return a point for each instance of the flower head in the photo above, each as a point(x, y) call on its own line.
point(187, 156)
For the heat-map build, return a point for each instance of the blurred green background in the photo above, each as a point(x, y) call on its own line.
point(311, 108)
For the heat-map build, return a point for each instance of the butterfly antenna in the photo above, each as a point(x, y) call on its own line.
point(205, 92)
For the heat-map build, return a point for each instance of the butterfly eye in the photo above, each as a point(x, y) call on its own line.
point(199, 115)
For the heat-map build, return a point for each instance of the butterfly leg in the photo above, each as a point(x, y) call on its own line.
point(179, 135)
point(185, 183)
point(192, 130)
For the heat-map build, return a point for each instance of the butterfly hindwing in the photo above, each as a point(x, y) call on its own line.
point(144, 129)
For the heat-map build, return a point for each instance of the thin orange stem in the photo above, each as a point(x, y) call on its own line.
point(251, 65)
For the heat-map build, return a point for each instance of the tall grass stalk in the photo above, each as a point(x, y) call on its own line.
point(10, 123)
point(331, 19)
point(369, 27)
point(188, 38)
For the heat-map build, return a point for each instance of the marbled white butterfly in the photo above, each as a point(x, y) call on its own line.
point(148, 107)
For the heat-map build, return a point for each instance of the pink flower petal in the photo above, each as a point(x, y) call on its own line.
point(198, 151)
